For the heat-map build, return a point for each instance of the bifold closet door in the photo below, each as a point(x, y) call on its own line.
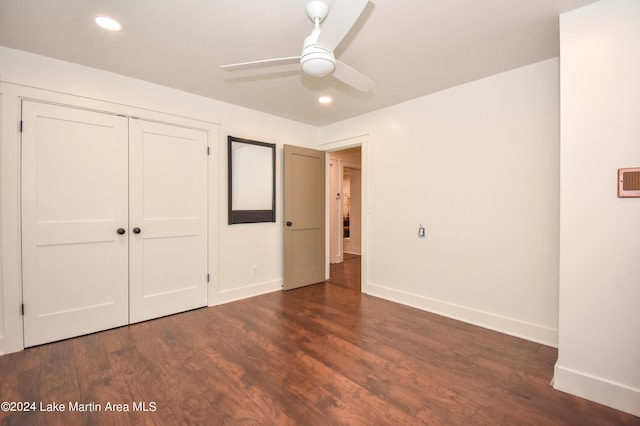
point(168, 219)
point(74, 222)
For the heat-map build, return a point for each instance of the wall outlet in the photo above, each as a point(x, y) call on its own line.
point(254, 270)
point(421, 231)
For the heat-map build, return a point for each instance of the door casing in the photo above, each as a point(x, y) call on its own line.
point(366, 208)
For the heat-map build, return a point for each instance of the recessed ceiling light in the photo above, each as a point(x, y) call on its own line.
point(108, 23)
point(325, 99)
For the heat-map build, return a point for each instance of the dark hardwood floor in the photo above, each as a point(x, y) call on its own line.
point(320, 355)
point(346, 273)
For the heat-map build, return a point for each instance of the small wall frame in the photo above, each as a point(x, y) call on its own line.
point(629, 182)
point(252, 181)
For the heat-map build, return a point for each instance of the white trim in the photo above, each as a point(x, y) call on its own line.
point(335, 187)
point(213, 142)
point(227, 296)
point(614, 395)
point(10, 283)
point(525, 330)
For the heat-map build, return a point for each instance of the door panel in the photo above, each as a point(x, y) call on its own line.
point(74, 198)
point(168, 203)
point(304, 209)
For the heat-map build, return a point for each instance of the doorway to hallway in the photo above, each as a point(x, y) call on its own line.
point(346, 217)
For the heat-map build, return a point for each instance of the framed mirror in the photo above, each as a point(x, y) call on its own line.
point(252, 181)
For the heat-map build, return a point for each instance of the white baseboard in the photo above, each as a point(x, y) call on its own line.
point(513, 327)
point(598, 390)
point(249, 291)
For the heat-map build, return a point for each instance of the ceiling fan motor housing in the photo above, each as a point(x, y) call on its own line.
point(315, 60)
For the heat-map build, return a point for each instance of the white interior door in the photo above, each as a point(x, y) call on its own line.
point(74, 199)
point(168, 219)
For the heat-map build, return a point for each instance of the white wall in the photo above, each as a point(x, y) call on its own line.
point(599, 328)
point(237, 248)
point(478, 166)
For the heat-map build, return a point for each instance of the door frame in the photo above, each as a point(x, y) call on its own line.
point(362, 141)
point(11, 95)
point(337, 168)
point(335, 249)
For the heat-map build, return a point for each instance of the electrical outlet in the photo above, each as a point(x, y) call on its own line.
point(254, 270)
point(421, 231)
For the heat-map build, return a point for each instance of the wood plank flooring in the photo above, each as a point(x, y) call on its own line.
point(320, 355)
point(347, 273)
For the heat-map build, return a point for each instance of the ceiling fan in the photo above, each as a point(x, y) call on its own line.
point(317, 58)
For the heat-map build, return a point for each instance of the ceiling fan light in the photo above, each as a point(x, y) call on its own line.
point(317, 64)
point(318, 67)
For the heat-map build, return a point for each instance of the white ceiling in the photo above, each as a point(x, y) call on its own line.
point(409, 48)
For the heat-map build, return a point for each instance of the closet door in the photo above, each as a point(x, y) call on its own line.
point(168, 219)
point(74, 222)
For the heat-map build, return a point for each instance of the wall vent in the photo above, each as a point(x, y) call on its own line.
point(629, 183)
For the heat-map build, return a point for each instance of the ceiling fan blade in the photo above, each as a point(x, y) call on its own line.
point(342, 17)
point(263, 62)
point(352, 77)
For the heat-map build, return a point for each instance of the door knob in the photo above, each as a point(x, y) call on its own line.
point(120, 231)
point(289, 223)
point(137, 230)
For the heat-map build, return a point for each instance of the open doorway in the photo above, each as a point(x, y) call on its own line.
point(346, 217)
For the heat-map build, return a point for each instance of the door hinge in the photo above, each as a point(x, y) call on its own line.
point(22, 309)
point(20, 126)
point(208, 278)
point(208, 150)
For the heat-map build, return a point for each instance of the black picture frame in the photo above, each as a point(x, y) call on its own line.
point(263, 212)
